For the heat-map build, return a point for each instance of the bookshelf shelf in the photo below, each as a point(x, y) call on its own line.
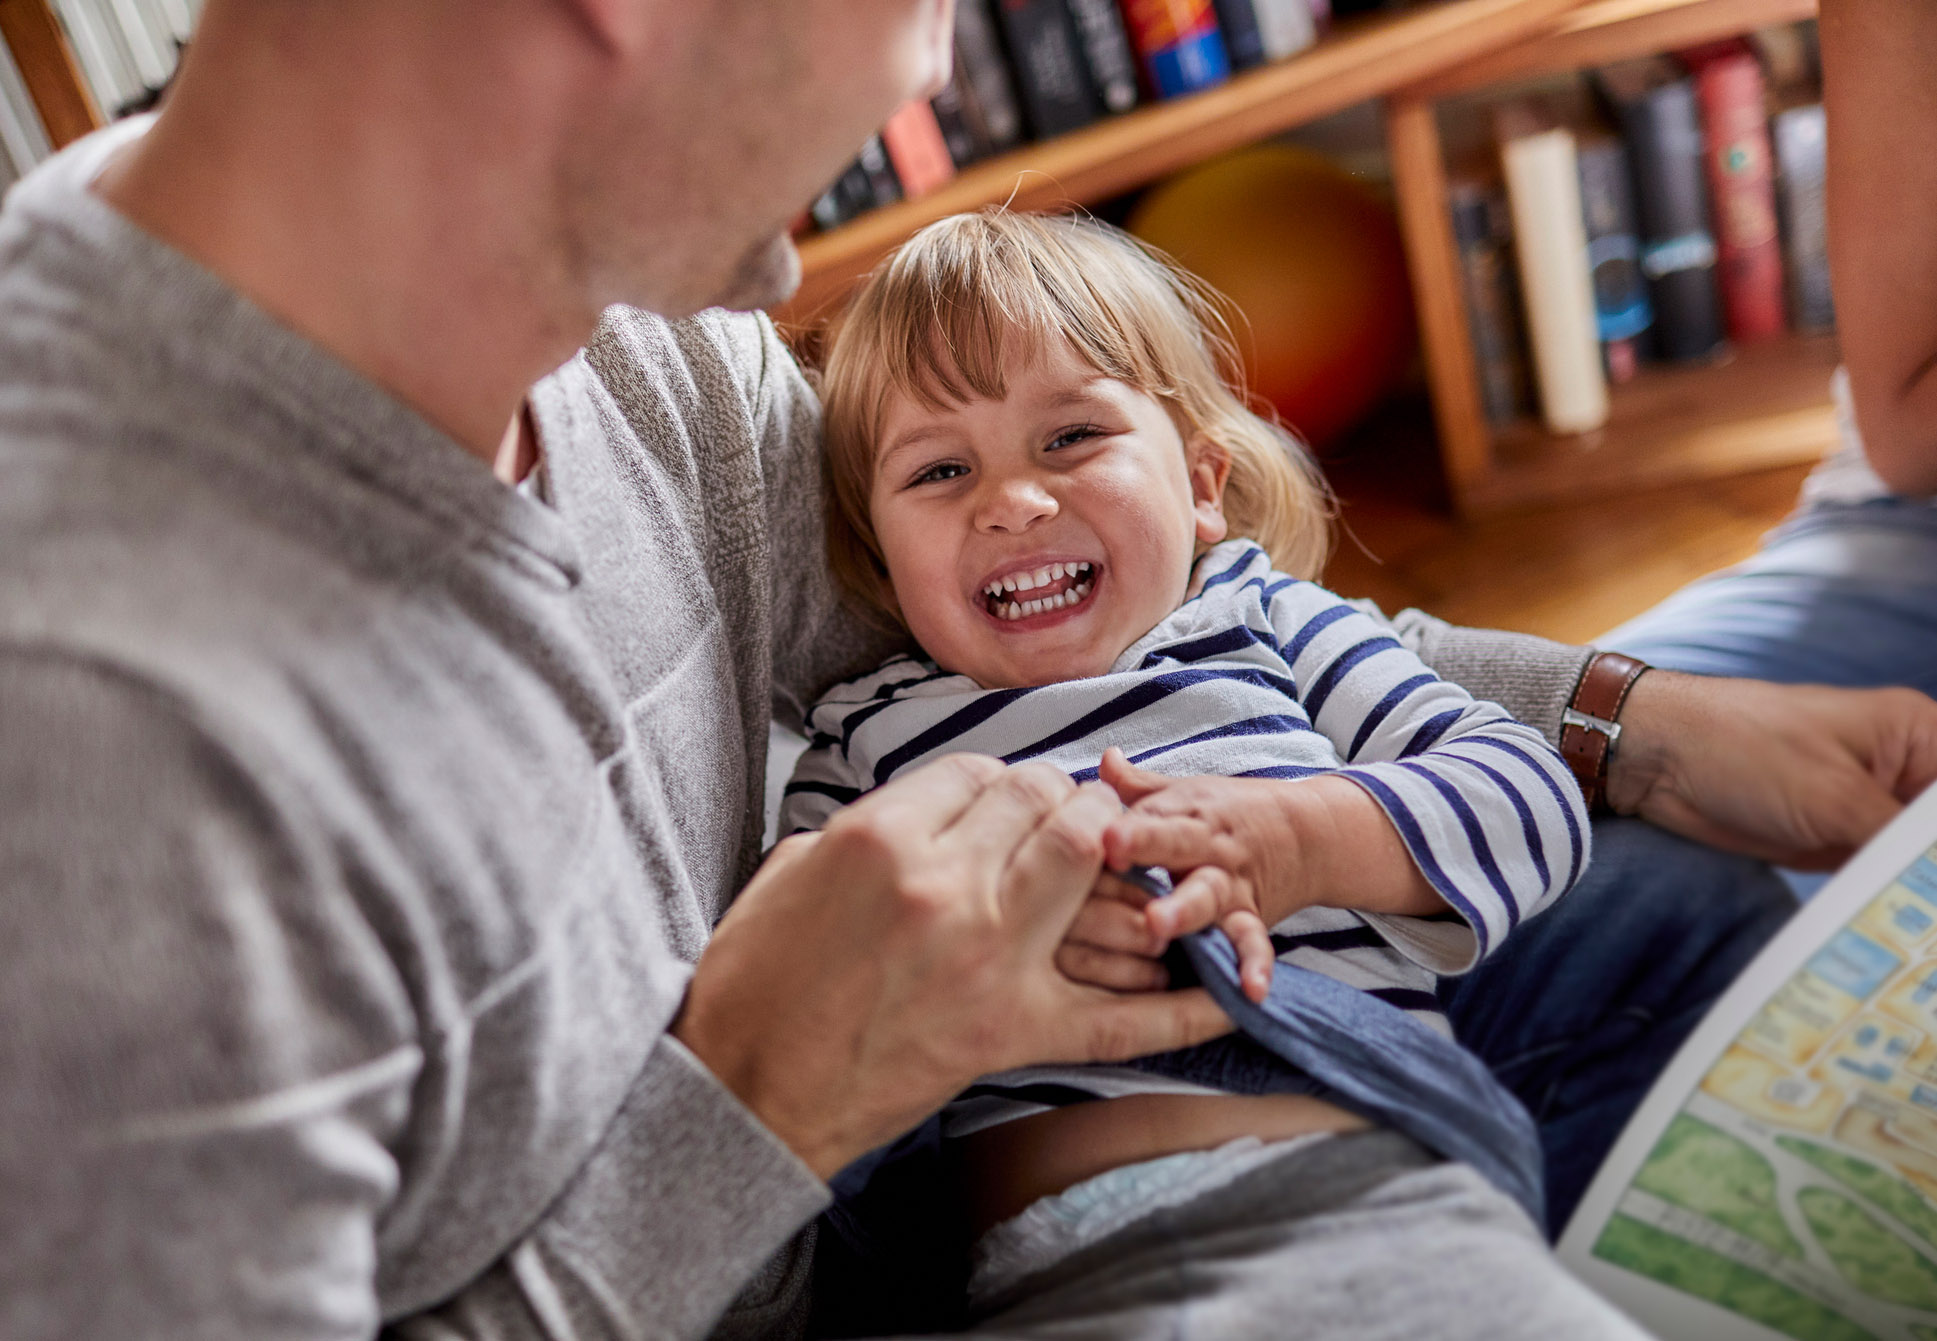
point(1357, 61)
point(1767, 406)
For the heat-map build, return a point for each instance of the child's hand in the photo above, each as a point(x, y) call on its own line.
point(1119, 936)
point(1268, 846)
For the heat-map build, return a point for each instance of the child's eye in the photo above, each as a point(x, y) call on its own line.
point(1074, 434)
point(941, 470)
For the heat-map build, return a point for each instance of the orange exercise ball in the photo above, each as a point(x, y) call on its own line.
point(1312, 259)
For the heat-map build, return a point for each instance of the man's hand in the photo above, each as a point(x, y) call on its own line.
point(870, 971)
point(1796, 774)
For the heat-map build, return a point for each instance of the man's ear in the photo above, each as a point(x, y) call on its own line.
point(1210, 471)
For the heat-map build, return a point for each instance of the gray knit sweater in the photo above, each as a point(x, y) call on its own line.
point(361, 819)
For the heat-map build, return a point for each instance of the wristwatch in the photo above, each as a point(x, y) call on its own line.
point(1591, 726)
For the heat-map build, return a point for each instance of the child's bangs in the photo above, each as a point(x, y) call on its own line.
point(971, 293)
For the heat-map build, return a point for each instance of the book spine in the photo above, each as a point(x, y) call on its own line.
point(960, 130)
point(1741, 178)
point(848, 196)
point(884, 188)
point(1544, 192)
point(1182, 49)
point(1051, 74)
point(1243, 38)
point(1286, 26)
point(1623, 313)
point(1801, 136)
point(989, 95)
point(1492, 298)
point(913, 138)
point(1106, 50)
point(1663, 134)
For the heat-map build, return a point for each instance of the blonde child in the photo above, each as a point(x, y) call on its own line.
point(1040, 467)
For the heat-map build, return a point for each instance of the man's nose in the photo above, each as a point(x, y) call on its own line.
point(1013, 503)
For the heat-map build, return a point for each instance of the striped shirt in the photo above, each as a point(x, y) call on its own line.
point(1266, 676)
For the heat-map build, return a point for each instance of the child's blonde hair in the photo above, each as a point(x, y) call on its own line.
point(934, 321)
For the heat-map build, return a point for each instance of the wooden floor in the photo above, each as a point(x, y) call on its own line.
point(1570, 572)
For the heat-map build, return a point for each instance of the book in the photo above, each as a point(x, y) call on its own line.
point(1051, 73)
point(23, 139)
point(1243, 38)
point(868, 182)
point(1106, 51)
point(1180, 45)
point(981, 78)
point(1742, 185)
point(913, 139)
point(1661, 126)
point(1780, 1178)
point(1622, 310)
point(1802, 140)
point(1288, 26)
point(1550, 242)
point(1485, 238)
point(960, 131)
point(1257, 32)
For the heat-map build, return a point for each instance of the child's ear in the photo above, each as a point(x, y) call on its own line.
point(1210, 470)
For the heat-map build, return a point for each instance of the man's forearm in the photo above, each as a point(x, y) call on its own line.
point(1532, 678)
point(1880, 89)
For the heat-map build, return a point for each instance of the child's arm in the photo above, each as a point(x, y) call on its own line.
point(1474, 806)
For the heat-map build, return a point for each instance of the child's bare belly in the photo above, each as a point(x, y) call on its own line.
point(1008, 1166)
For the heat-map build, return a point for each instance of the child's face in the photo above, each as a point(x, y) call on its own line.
point(1034, 538)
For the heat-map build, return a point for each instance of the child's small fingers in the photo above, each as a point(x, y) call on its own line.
point(1195, 904)
point(1112, 969)
point(1174, 842)
point(1110, 885)
point(1105, 924)
point(1256, 957)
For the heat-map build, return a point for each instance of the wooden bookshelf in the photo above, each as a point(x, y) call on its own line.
point(40, 50)
point(1767, 405)
point(1357, 61)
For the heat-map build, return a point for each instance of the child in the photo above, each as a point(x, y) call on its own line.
point(1040, 468)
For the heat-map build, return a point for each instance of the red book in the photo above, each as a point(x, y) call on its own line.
point(917, 149)
point(1742, 191)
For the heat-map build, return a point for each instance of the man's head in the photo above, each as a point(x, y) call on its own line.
point(651, 152)
point(706, 126)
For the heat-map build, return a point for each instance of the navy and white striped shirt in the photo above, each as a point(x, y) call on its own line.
point(1259, 675)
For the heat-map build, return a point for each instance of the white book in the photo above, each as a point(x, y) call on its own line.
point(23, 139)
point(150, 44)
point(181, 18)
point(1780, 1179)
point(1550, 239)
point(102, 64)
point(1286, 26)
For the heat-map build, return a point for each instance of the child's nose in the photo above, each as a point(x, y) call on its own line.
point(1013, 504)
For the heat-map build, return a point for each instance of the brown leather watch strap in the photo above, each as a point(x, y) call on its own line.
point(1590, 727)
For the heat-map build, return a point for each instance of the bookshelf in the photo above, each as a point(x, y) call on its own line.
point(39, 48)
point(1767, 406)
point(1360, 60)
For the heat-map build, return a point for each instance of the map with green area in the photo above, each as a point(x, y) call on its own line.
point(1688, 1267)
point(1703, 1169)
point(1911, 1210)
point(1870, 1257)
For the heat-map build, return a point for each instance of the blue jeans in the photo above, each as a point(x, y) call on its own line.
point(1582, 1009)
point(1585, 1005)
point(1841, 594)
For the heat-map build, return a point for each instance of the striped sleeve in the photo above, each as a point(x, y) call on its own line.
point(1485, 806)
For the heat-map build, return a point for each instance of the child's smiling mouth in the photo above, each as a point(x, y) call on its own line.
point(1051, 588)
